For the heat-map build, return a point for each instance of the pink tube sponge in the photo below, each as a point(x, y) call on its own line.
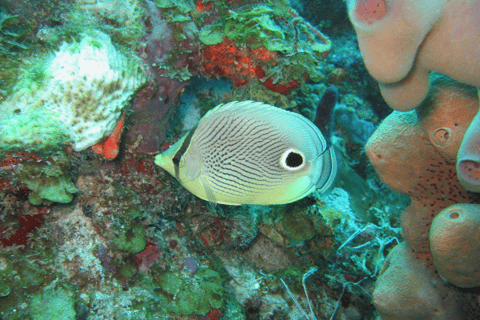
point(407, 162)
point(446, 114)
point(415, 37)
point(389, 43)
point(370, 11)
point(414, 153)
point(468, 160)
point(455, 244)
point(407, 289)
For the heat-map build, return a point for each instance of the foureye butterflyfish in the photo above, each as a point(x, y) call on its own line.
point(251, 153)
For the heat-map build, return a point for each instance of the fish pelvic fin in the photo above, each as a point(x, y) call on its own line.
point(208, 191)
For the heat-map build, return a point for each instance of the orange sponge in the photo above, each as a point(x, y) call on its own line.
point(109, 148)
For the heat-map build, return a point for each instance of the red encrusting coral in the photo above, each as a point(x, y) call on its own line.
point(203, 7)
point(146, 258)
point(277, 87)
point(28, 224)
point(17, 157)
point(236, 64)
point(214, 314)
point(8, 183)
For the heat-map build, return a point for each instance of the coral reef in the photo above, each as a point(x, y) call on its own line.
point(133, 233)
point(124, 240)
point(214, 39)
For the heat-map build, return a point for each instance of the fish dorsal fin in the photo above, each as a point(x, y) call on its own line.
point(232, 106)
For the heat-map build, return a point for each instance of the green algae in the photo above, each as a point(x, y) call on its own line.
point(47, 179)
point(233, 310)
point(176, 10)
point(298, 226)
point(22, 276)
point(196, 295)
point(56, 189)
point(131, 239)
point(5, 289)
point(56, 303)
point(254, 26)
point(11, 46)
point(211, 34)
point(128, 269)
point(36, 131)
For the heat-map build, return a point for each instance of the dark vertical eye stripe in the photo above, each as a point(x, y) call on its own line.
point(178, 156)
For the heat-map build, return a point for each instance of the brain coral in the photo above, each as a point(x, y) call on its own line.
point(84, 87)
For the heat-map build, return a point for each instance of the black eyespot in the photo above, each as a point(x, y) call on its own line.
point(294, 160)
point(176, 161)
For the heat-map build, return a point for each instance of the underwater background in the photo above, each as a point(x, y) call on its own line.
point(91, 91)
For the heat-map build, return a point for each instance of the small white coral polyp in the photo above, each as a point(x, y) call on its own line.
point(86, 87)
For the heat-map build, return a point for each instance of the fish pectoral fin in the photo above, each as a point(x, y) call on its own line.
point(304, 184)
point(208, 190)
point(189, 172)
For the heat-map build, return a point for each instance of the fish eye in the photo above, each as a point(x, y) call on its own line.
point(292, 160)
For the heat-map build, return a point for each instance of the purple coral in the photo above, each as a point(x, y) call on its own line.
point(354, 129)
point(191, 265)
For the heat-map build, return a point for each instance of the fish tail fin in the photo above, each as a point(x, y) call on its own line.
point(329, 171)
